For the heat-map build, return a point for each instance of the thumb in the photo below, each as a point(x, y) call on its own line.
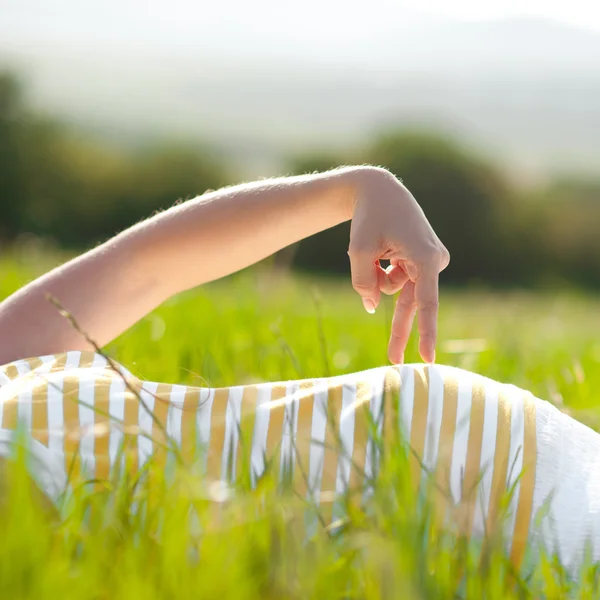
point(364, 266)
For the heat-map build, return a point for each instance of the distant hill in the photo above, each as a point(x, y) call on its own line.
point(273, 31)
point(525, 89)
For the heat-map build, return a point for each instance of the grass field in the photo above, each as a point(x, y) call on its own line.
point(137, 541)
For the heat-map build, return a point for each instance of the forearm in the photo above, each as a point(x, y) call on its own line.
point(104, 289)
point(228, 230)
point(111, 287)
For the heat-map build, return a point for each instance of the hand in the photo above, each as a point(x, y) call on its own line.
point(388, 223)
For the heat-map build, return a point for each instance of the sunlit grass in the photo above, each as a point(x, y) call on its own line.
point(167, 537)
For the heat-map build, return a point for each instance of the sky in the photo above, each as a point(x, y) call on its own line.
point(304, 31)
point(169, 23)
point(583, 13)
point(124, 61)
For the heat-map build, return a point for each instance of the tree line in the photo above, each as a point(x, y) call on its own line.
point(59, 184)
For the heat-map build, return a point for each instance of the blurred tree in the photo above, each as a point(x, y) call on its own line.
point(461, 195)
point(315, 162)
point(565, 222)
point(58, 183)
point(12, 180)
point(134, 187)
point(325, 251)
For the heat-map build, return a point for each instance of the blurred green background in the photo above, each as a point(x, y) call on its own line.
point(488, 114)
point(62, 187)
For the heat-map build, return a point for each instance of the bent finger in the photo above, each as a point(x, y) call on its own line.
point(392, 280)
point(364, 266)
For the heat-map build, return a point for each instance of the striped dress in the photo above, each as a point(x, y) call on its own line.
point(478, 438)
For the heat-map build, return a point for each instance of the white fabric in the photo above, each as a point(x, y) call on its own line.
point(566, 501)
point(46, 467)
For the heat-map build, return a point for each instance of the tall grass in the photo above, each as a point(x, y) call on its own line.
point(162, 536)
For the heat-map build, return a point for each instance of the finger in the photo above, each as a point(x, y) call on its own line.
point(392, 280)
point(364, 266)
point(427, 301)
point(382, 279)
point(402, 321)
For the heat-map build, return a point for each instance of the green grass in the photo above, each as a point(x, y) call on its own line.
point(159, 539)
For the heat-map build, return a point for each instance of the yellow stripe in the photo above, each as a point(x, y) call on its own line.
point(419, 423)
point(11, 371)
point(361, 437)
point(244, 448)
point(39, 411)
point(391, 396)
point(501, 458)
point(72, 427)
point(131, 415)
point(189, 433)
point(34, 363)
point(60, 361)
point(472, 468)
point(304, 435)
point(87, 359)
point(39, 405)
point(10, 413)
point(217, 433)
point(446, 446)
point(527, 482)
point(275, 432)
point(11, 405)
point(102, 426)
point(162, 400)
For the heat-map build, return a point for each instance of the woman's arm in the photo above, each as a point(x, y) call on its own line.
point(112, 286)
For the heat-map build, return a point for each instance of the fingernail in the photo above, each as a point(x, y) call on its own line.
point(369, 305)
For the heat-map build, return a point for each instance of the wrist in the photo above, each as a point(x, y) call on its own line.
point(367, 179)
